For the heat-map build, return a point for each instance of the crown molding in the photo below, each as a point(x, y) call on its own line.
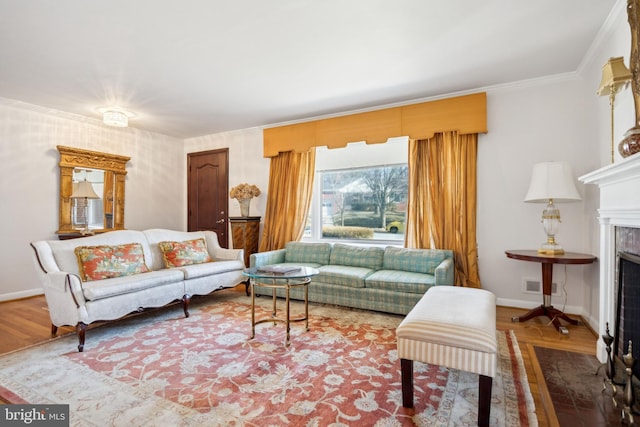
point(618, 13)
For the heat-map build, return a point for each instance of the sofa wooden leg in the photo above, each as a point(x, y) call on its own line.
point(246, 287)
point(81, 329)
point(484, 400)
point(185, 304)
point(406, 369)
point(54, 330)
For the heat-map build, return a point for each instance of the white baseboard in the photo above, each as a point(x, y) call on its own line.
point(569, 309)
point(516, 303)
point(591, 321)
point(21, 294)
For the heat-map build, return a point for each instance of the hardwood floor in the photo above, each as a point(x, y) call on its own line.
point(26, 322)
point(539, 332)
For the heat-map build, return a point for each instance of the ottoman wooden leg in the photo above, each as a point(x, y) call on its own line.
point(406, 369)
point(484, 400)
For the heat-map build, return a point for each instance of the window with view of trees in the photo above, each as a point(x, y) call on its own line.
point(366, 201)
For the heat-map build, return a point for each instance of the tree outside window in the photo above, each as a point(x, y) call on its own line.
point(363, 204)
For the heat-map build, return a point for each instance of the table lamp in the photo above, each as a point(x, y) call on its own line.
point(84, 190)
point(551, 182)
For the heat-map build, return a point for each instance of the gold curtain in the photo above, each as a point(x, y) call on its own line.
point(289, 198)
point(441, 210)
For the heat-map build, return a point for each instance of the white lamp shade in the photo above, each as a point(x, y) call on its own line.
point(552, 181)
point(84, 189)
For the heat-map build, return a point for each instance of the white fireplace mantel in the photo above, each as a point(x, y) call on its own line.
point(619, 207)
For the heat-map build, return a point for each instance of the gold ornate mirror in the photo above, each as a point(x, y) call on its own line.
point(103, 209)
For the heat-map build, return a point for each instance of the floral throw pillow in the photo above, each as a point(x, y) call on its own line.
point(104, 262)
point(178, 254)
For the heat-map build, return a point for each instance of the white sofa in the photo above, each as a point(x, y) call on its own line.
point(78, 303)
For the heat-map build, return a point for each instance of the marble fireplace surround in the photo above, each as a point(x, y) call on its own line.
point(619, 207)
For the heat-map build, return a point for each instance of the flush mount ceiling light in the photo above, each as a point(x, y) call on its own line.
point(115, 117)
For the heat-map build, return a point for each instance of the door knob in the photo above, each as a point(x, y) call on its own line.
point(220, 221)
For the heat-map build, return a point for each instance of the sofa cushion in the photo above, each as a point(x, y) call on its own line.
point(415, 260)
point(400, 281)
point(156, 235)
point(126, 284)
point(356, 256)
point(210, 268)
point(105, 262)
point(299, 252)
point(353, 277)
point(64, 256)
point(188, 252)
point(293, 264)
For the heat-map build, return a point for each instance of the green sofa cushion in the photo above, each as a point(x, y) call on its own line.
point(400, 281)
point(414, 260)
point(356, 256)
point(299, 252)
point(352, 277)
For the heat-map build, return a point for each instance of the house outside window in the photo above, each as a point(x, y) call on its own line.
point(360, 194)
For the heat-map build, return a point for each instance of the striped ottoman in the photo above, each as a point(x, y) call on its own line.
point(452, 327)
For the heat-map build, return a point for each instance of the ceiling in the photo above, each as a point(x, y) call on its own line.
point(195, 67)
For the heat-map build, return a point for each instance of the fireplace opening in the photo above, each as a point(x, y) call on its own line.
point(627, 326)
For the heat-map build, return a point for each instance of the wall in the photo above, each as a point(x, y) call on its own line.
point(29, 181)
point(555, 118)
point(246, 163)
point(615, 41)
point(528, 122)
point(533, 122)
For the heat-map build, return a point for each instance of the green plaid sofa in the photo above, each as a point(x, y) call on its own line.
point(387, 279)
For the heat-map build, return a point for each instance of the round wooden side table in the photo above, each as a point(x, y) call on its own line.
point(547, 261)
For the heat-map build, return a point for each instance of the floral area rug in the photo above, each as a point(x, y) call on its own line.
point(161, 368)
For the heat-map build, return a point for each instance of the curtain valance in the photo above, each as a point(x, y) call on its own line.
point(464, 114)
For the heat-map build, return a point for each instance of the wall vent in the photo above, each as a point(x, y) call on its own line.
point(534, 286)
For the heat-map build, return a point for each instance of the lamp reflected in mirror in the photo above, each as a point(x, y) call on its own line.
point(83, 192)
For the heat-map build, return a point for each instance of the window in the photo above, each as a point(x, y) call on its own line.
point(360, 193)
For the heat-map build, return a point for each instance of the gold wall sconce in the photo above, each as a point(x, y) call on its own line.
point(615, 75)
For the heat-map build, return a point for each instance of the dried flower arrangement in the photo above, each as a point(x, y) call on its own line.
point(244, 191)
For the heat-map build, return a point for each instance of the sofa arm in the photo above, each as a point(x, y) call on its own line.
point(259, 259)
point(444, 272)
point(67, 283)
point(229, 254)
point(65, 299)
point(218, 252)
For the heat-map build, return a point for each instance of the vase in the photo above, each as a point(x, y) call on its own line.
point(631, 143)
point(244, 206)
